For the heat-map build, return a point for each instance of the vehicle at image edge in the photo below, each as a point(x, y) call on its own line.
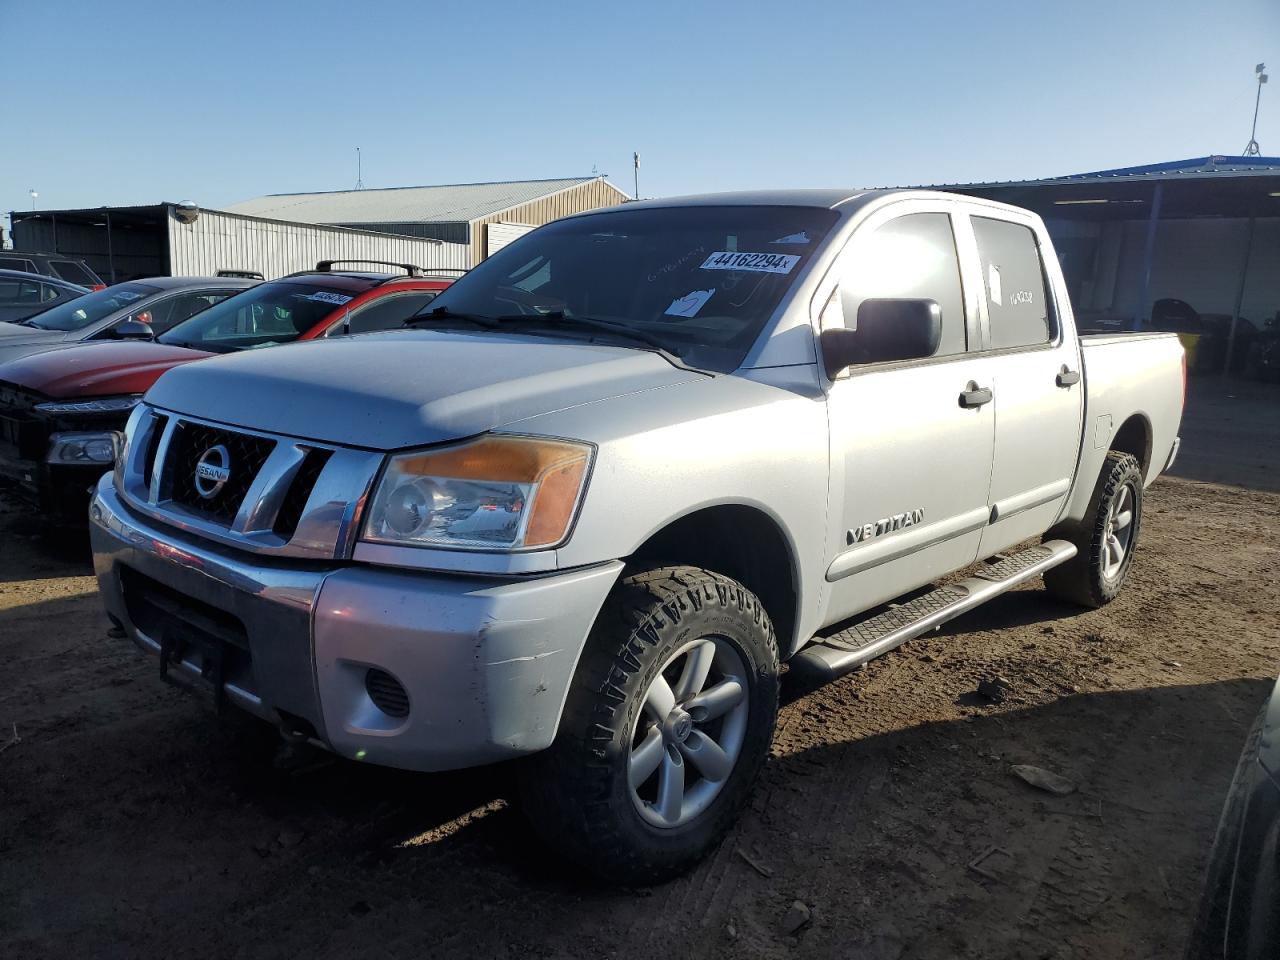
point(1239, 913)
point(62, 410)
point(137, 309)
point(24, 294)
point(617, 473)
point(56, 265)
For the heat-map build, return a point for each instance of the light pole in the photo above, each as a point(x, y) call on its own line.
point(33, 198)
point(1251, 148)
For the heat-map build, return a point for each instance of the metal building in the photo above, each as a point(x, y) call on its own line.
point(122, 243)
point(1139, 246)
point(483, 216)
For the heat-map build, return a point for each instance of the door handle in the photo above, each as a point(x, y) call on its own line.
point(975, 396)
point(1067, 376)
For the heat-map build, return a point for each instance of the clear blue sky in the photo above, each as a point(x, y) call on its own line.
point(222, 100)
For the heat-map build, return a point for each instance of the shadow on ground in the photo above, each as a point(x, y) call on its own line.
point(210, 844)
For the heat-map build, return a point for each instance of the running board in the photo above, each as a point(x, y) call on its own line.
point(826, 658)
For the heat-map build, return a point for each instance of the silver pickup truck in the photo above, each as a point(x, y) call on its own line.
point(612, 478)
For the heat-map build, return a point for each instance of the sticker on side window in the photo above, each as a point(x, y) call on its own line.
point(993, 285)
point(689, 304)
point(754, 262)
point(324, 296)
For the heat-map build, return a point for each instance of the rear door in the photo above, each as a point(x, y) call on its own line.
point(1035, 369)
point(909, 464)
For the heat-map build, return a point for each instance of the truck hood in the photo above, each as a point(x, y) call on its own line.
point(95, 369)
point(407, 388)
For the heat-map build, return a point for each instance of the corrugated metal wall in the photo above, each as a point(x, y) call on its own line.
point(227, 241)
point(138, 252)
point(449, 231)
point(586, 196)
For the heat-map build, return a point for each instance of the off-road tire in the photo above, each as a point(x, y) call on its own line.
point(1083, 579)
point(576, 793)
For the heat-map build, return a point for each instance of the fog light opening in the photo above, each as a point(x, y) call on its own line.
point(387, 693)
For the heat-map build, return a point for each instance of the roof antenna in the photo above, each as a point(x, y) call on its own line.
point(360, 170)
point(1252, 149)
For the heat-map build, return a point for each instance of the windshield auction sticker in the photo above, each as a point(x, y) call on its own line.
point(324, 296)
point(755, 262)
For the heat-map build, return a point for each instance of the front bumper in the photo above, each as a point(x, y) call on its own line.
point(60, 489)
point(486, 663)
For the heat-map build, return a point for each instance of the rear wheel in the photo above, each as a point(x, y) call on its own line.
point(669, 719)
point(1106, 539)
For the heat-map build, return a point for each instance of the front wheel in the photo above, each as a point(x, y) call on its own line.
point(1106, 539)
point(667, 724)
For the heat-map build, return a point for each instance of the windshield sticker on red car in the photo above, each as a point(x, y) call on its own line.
point(324, 296)
point(689, 304)
point(799, 239)
point(754, 262)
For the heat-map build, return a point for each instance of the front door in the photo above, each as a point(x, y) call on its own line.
point(910, 460)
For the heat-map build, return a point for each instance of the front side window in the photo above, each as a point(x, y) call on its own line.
point(385, 313)
point(270, 313)
point(20, 292)
point(170, 313)
point(701, 282)
point(92, 307)
point(912, 257)
point(1013, 277)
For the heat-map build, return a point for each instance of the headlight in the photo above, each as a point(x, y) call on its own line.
point(97, 405)
point(100, 447)
point(497, 493)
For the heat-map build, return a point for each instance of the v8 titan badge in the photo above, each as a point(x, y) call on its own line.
point(213, 470)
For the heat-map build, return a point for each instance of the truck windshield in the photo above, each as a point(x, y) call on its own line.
point(267, 314)
point(702, 281)
point(92, 307)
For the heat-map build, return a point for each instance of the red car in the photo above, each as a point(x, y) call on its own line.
point(61, 410)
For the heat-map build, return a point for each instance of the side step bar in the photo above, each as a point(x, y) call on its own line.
point(826, 658)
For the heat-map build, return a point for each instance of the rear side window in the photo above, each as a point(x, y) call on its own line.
point(385, 313)
point(15, 263)
point(912, 257)
point(1013, 277)
point(73, 272)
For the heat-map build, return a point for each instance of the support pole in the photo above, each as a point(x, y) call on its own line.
point(1235, 314)
point(1148, 255)
point(111, 254)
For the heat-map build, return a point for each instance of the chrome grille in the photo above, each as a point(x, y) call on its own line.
point(284, 496)
point(190, 442)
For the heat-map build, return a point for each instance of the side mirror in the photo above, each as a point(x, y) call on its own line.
point(886, 330)
point(133, 329)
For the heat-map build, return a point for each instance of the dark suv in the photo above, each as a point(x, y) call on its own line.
point(51, 265)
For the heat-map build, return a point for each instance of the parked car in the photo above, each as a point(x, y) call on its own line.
point(24, 294)
point(626, 465)
point(1239, 914)
point(56, 265)
point(139, 309)
point(61, 410)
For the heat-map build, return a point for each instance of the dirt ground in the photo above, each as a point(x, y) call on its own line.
point(133, 824)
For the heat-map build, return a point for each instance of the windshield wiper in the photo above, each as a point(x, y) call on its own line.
point(444, 314)
point(556, 318)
